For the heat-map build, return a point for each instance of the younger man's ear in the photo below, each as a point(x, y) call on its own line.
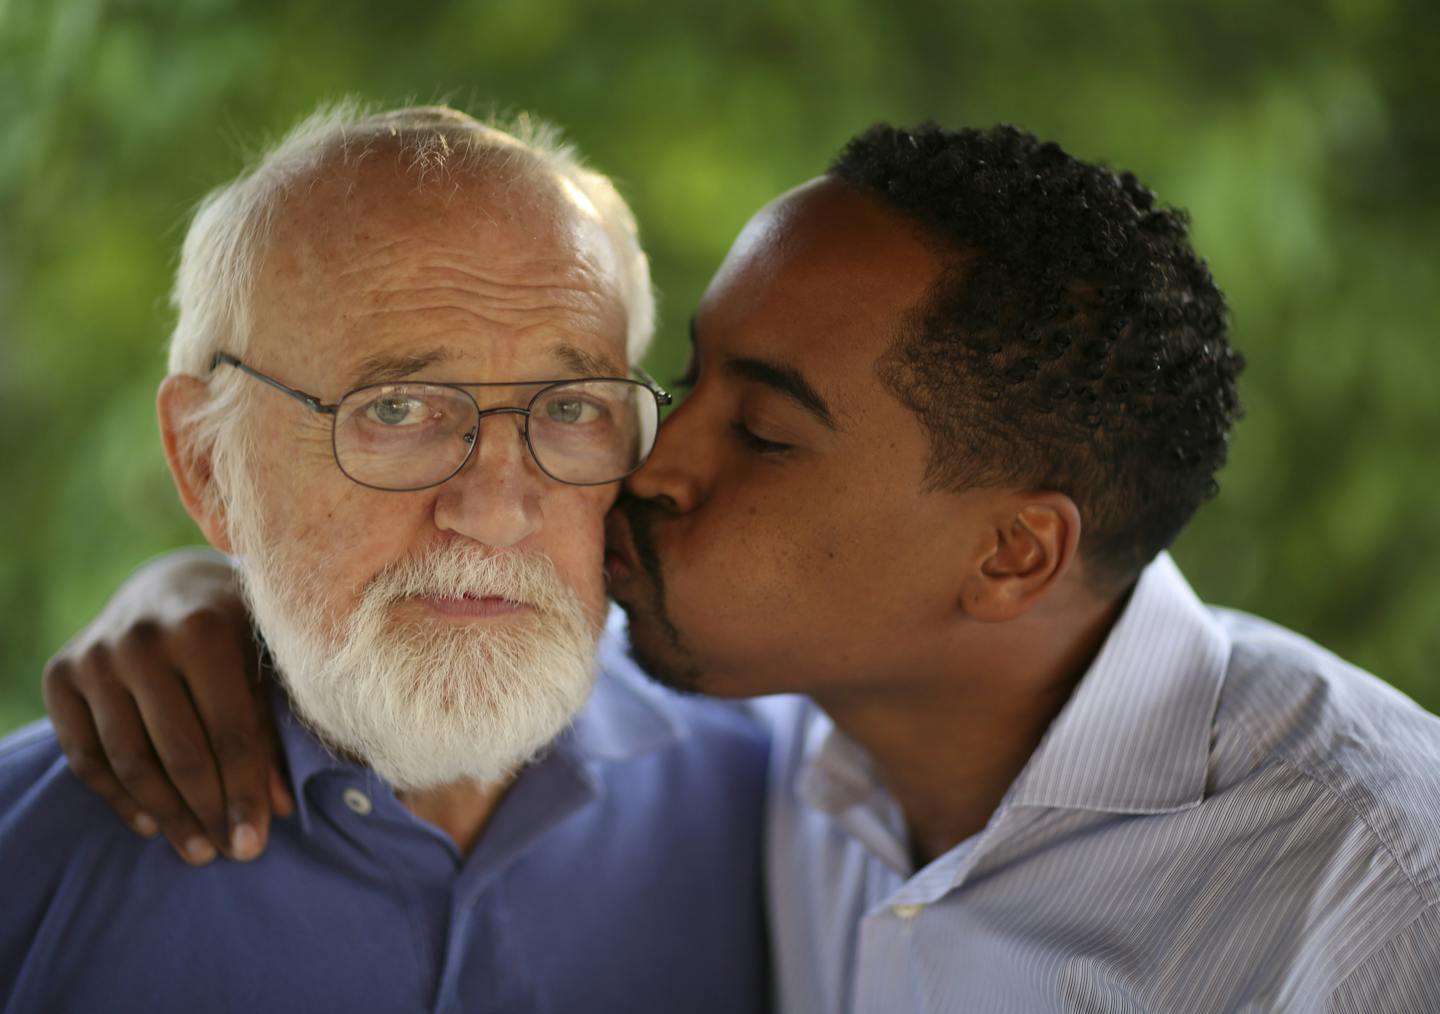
point(179, 398)
point(1034, 540)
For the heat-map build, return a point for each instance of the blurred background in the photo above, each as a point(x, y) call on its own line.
point(1301, 137)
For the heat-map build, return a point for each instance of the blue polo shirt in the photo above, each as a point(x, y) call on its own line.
point(621, 872)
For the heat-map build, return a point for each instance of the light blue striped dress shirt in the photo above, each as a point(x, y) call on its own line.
point(1224, 817)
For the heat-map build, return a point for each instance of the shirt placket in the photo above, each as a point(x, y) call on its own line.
point(416, 863)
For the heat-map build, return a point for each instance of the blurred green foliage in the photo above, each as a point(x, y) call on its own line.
point(1301, 137)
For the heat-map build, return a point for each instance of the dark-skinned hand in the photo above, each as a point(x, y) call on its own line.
point(159, 709)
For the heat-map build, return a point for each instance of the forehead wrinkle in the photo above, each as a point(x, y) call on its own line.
point(464, 324)
point(462, 310)
point(468, 301)
point(488, 295)
point(362, 258)
point(364, 254)
point(530, 281)
point(558, 336)
point(502, 299)
point(384, 269)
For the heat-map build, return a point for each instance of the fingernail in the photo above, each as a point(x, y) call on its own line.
point(145, 824)
point(198, 850)
point(244, 842)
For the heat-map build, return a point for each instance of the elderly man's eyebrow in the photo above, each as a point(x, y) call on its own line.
point(784, 380)
point(586, 364)
point(378, 369)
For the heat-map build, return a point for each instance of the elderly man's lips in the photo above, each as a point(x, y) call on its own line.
point(471, 606)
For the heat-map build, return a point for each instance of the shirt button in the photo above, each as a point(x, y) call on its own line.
point(907, 912)
point(357, 801)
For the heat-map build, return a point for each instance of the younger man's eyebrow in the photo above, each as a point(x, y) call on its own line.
point(785, 380)
point(782, 378)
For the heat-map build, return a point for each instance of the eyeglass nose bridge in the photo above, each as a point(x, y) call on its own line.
point(472, 438)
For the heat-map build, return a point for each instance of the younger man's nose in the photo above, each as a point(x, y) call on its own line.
point(669, 478)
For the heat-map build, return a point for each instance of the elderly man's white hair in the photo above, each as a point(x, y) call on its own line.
point(228, 234)
point(226, 242)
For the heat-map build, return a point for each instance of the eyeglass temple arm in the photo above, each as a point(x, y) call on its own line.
point(308, 400)
point(661, 395)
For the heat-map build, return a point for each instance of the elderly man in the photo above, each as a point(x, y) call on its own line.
point(951, 402)
point(399, 395)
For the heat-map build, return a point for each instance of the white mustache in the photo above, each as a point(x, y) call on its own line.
point(456, 571)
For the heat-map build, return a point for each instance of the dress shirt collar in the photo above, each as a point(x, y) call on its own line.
point(1135, 735)
point(839, 778)
point(1133, 738)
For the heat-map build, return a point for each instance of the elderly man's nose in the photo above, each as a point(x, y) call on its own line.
point(495, 498)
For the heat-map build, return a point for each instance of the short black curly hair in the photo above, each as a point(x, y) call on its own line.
point(1074, 341)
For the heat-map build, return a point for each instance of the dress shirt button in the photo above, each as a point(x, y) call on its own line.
point(357, 801)
point(906, 912)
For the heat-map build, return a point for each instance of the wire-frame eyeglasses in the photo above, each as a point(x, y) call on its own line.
point(404, 436)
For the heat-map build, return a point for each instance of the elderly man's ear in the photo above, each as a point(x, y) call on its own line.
point(180, 397)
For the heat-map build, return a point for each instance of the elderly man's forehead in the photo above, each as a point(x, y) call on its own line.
point(386, 183)
point(399, 262)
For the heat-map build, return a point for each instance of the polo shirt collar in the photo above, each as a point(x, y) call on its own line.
point(305, 756)
point(623, 718)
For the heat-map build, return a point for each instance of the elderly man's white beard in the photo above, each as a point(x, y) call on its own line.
point(424, 702)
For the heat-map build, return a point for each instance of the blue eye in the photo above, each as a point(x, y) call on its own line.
point(570, 410)
point(396, 411)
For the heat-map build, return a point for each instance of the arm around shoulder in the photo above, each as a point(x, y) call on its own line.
point(158, 710)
